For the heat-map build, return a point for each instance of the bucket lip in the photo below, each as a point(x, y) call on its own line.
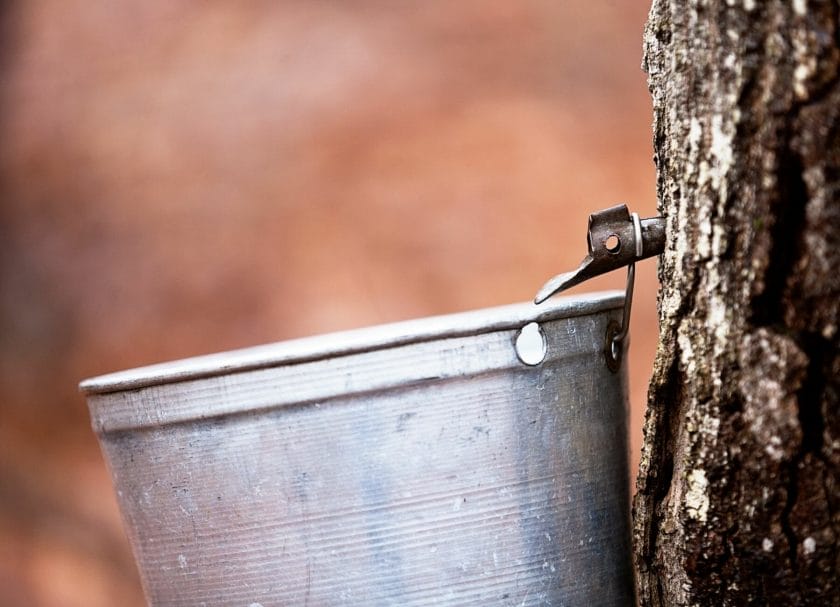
point(354, 341)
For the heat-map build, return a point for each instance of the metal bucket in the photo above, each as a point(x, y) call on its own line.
point(421, 463)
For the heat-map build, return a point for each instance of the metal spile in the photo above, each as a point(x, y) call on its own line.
point(616, 238)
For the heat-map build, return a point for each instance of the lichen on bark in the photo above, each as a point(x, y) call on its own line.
point(738, 492)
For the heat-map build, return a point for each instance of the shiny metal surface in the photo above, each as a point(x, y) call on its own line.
point(415, 464)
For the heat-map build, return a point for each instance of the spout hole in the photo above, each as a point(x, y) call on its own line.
point(613, 243)
point(530, 344)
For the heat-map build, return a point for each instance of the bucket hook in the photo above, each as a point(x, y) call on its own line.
point(615, 238)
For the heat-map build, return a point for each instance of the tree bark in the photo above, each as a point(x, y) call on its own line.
point(738, 493)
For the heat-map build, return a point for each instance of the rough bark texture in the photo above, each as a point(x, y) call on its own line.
point(739, 486)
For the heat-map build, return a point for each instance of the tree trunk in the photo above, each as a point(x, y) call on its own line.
point(739, 485)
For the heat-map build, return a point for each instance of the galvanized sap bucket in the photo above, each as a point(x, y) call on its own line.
point(444, 461)
point(472, 459)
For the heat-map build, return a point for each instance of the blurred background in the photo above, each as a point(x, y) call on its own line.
point(183, 177)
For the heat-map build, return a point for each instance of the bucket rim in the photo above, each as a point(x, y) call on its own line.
point(353, 341)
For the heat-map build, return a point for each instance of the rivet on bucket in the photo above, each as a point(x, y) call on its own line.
point(530, 344)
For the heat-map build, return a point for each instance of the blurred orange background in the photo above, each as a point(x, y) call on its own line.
point(184, 177)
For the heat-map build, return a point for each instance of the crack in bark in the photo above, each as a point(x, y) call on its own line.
point(809, 399)
point(790, 502)
point(811, 394)
point(786, 234)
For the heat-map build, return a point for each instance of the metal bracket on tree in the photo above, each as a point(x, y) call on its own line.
point(615, 238)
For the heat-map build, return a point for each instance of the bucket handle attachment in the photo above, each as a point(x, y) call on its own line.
point(615, 238)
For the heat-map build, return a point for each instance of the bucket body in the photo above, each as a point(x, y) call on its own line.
point(420, 463)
